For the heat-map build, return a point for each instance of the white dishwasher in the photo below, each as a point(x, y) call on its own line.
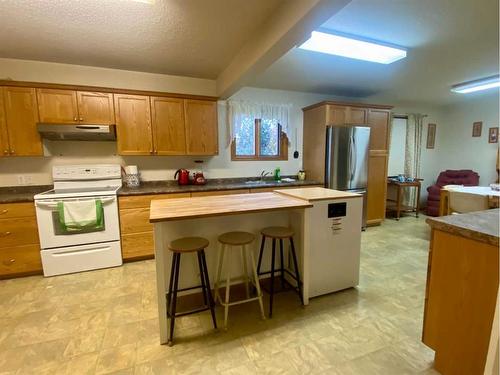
point(333, 238)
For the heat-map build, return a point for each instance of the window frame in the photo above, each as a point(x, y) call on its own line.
point(282, 147)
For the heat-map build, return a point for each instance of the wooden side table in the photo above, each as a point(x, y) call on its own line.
point(396, 204)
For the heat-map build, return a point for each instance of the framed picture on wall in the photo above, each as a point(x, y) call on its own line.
point(493, 135)
point(477, 127)
point(431, 135)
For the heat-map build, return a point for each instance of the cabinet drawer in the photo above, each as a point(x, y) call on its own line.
point(141, 201)
point(18, 231)
point(137, 245)
point(135, 220)
point(20, 259)
point(11, 210)
point(219, 192)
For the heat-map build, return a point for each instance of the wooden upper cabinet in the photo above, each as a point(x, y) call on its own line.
point(169, 133)
point(21, 117)
point(4, 135)
point(95, 108)
point(336, 115)
point(133, 124)
point(57, 106)
point(201, 127)
point(379, 122)
point(356, 116)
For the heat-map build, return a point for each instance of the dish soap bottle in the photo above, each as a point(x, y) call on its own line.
point(277, 174)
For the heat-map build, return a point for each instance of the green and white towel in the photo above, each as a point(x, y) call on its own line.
point(80, 216)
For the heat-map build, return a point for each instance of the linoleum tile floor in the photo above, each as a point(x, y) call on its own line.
point(105, 322)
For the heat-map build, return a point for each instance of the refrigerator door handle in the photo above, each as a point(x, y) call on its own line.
point(354, 151)
point(350, 161)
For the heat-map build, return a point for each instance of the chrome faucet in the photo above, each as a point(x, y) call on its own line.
point(263, 174)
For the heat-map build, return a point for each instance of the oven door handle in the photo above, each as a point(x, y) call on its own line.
point(54, 204)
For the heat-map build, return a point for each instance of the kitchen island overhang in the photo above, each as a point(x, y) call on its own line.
point(211, 216)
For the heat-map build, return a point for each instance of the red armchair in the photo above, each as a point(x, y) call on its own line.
point(464, 177)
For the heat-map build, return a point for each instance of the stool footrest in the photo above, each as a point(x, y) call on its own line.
point(240, 301)
point(189, 312)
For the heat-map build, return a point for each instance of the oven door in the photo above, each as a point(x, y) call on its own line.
point(49, 231)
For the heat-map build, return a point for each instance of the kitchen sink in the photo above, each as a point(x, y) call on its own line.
point(259, 182)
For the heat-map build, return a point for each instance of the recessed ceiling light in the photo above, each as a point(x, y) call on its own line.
point(352, 48)
point(477, 85)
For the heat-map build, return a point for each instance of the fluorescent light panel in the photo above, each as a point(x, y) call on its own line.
point(478, 85)
point(352, 48)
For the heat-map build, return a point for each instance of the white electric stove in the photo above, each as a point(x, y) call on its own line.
point(63, 253)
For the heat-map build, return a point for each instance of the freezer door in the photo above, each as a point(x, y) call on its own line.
point(338, 163)
point(358, 155)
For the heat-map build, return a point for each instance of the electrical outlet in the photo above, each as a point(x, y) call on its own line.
point(24, 179)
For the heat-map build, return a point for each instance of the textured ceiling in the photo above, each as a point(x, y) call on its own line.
point(449, 41)
point(196, 38)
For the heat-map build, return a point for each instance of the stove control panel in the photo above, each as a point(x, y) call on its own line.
point(86, 172)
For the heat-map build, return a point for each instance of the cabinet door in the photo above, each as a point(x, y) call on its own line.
point(133, 124)
point(95, 108)
point(336, 115)
point(357, 116)
point(168, 126)
point(201, 127)
point(57, 106)
point(4, 140)
point(377, 187)
point(379, 122)
point(21, 117)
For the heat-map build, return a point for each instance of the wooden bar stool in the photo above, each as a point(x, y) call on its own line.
point(178, 247)
point(279, 233)
point(230, 240)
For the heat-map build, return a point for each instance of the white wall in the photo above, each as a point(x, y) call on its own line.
point(458, 149)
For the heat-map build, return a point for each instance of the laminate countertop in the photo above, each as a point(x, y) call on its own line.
point(480, 226)
point(17, 194)
point(14, 194)
point(221, 205)
point(218, 184)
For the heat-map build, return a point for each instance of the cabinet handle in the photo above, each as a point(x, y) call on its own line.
point(12, 152)
point(5, 234)
point(8, 262)
point(6, 152)
point(75, 118)
point(81, 118)
point(3, 212)
point(336, 228)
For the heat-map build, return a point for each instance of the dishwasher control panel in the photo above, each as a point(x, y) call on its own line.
point(337, 209)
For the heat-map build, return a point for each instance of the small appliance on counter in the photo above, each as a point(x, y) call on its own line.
point(198, 178)
point(182, 176)
point(132, 176)
point(301, 175)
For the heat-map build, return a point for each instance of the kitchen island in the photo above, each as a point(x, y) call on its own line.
point(462, 288)
point(213, 215)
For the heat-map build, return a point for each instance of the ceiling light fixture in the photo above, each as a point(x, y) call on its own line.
point(477, 85)
point(352, 48)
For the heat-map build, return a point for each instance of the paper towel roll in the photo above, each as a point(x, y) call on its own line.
point(131, 169)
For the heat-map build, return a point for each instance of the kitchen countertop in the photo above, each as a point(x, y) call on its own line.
point(317, 194)
point(221, 205)
point(171, 186)
point(15, 194)
point(480, 226)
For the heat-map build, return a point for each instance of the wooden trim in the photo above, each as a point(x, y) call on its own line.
point(283, 148)
point(348, 104)
point(112, 90)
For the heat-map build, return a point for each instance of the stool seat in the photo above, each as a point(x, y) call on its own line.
point(277, 232)
point(236, 238)
point(188, 244)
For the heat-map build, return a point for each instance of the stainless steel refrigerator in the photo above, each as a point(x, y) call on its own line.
point(346, 164)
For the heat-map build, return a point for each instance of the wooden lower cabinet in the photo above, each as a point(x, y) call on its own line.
point(19, 242)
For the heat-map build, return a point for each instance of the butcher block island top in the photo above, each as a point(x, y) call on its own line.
point(317, 194)
point(220, 205)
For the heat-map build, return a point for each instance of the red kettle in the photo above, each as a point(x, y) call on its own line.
point(183, 176)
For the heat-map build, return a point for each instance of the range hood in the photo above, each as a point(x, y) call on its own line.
point(71, 132)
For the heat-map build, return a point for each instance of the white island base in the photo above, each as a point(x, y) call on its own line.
point(211, 216)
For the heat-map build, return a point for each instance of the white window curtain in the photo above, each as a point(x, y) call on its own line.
point(238, 112)
point(413, 150)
